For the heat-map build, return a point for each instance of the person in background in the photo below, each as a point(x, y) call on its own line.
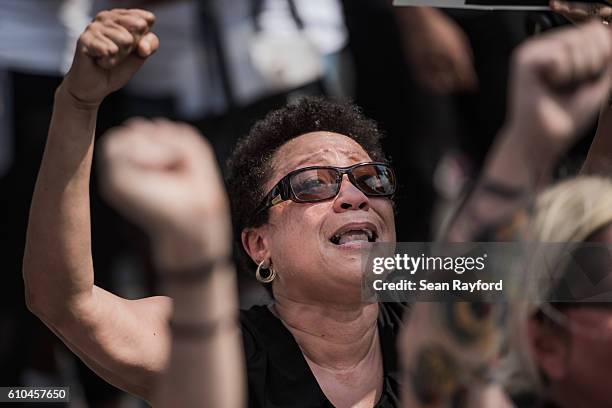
point(498, 210)
point(413, 43)
point(560, 355)
point(227, 63)
point(561, 335)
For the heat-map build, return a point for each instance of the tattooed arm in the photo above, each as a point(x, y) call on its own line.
point(556, 89)
point(449, 350)
point(448, 353)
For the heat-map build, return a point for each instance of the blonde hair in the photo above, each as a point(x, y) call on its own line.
point(565, 214)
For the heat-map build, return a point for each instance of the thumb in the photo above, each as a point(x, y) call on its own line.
point(147, 45)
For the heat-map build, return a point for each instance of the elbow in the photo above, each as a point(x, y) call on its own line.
point(37, 302)
point(41, 295)
point(53, 315)
point(32, 299)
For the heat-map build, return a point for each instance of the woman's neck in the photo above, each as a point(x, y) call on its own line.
point(332, 336)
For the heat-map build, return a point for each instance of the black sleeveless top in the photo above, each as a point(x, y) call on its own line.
point(278, 374)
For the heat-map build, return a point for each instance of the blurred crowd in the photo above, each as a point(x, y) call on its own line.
point(435, 80)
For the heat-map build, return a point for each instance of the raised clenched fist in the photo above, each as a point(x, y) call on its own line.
point(111, 49)
point(164, 177)
point(558, 83)
point(577, 11)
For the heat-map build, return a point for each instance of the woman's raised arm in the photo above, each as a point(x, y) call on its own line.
point(125, 342)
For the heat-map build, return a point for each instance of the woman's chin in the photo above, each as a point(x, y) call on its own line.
point(350, 274)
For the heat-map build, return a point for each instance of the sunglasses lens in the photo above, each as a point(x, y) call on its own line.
point(315, 184)
point(375, 179)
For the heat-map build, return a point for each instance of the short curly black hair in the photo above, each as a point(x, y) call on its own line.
point(250, 165)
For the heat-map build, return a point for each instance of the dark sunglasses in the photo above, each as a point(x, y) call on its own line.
point(319, 183)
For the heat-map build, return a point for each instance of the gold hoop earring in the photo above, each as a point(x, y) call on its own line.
point(268, 278)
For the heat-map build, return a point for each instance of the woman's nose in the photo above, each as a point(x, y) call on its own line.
point(350, 197)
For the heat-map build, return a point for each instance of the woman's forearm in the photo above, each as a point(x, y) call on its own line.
point(206, 365)
point(57, 265)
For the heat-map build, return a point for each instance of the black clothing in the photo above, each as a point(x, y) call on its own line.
point(278, 374)
point(531, 400)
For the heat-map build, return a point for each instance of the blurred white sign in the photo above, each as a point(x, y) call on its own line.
point(478, 4)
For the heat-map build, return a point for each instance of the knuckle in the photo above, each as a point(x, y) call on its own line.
point(95, 26)
point(191, 130)
point(133, 23)
point(139, 23)
point(125, 39)
point(103, 15)
point(136, 122)
point(161, 121)
point(111, 143)
point(110, 51)
point(85, 38)
point(144, 13)
point(521, 55)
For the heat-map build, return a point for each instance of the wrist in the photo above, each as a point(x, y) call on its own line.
point(210, 299)
point(66, 97)
point(179, 248)
point(196, 274)
point(522, 158)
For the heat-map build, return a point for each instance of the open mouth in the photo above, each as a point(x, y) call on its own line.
point(354, 234)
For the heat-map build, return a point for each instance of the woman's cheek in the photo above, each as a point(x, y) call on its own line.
point(297, 245)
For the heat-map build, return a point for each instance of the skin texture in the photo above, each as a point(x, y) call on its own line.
point(337, 334)
point(577, 362)
point(317, 270)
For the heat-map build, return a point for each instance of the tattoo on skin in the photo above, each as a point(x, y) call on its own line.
point(474, 322)
point(435, 376)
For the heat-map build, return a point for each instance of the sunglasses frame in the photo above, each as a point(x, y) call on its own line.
point(283, 190)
